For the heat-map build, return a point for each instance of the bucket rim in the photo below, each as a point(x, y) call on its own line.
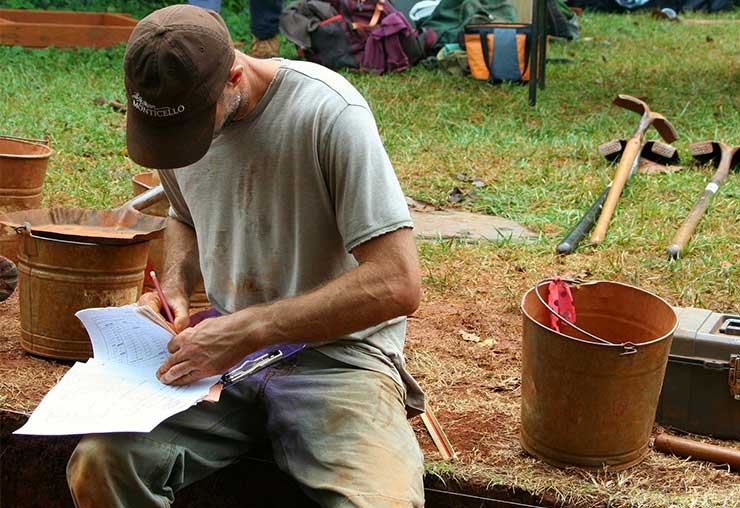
point(36, 236)
point(138, 177)
point(48, 154)
point(621, 345)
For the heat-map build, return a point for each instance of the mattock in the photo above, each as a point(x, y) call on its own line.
point(655, 151)
point(631, 152)
point(724, 157)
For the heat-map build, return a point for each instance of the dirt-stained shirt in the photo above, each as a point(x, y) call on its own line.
point(284, 195)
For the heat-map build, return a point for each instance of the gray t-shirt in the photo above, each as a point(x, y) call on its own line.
point(284, 195)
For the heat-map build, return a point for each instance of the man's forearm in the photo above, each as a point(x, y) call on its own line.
point(380, 288)
point(181, 264)
point(357, 300)
point(386, 284)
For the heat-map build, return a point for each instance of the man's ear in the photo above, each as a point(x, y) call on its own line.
point(236, 75)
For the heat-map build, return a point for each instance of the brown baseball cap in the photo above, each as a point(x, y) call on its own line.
point(176, 65)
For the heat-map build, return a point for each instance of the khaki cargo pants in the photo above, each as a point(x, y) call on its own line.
point(340, 431)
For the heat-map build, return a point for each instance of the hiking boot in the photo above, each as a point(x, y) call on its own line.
point(265, 48)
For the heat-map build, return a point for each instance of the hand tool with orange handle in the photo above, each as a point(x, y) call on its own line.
point(724, 157)
point(631, 151)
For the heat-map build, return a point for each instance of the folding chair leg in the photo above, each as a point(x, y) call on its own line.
point(533, 53)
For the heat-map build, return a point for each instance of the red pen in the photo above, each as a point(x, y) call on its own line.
point(165, 305)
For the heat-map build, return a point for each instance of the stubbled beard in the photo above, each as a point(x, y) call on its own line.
point(231, 110)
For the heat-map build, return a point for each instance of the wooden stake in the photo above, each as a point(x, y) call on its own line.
point(438, 435)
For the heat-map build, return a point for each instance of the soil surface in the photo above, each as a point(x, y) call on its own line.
point(466, 354)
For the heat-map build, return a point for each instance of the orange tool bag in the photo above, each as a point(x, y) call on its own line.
point(506, 47)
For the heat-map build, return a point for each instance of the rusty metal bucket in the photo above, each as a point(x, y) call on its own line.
point(23, 165)
point(72, 259)
point(57, 278)
point(584, 402)
point(119, 226)
point(142, 183)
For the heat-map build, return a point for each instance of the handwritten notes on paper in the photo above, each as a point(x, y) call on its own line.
point(117, 390)
point(126, 336)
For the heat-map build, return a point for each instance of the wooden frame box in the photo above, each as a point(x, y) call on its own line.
point(39, 29)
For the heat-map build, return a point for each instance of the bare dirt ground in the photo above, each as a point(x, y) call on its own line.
point(466, 354)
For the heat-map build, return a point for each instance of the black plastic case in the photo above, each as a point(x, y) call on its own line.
point(701, 389)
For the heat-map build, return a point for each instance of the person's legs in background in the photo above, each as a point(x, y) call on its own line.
point(264, 21)
point(214, 5)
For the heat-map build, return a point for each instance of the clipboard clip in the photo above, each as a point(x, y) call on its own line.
point(250, 367)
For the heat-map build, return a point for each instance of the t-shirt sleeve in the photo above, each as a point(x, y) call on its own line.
point(368, 200)
point(178, 208)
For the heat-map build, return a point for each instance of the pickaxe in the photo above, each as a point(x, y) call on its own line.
point(631, 151)
point(724, 158)
point(613, 150)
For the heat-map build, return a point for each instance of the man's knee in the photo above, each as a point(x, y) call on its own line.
point(90, 465)
point(114, 469)
point(92, 457)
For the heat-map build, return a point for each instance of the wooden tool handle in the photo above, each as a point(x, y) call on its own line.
point(631, 152)
point(686, 231)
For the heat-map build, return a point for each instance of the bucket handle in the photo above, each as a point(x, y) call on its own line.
point(31, 140)
point(25, 230)
point(629, 348)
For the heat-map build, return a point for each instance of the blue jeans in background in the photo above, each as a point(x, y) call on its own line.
point(264, 15)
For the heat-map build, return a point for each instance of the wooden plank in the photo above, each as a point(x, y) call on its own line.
point(438, 435)
point(52, 17)
point(41, 36)
point(115, 19)
point(40, 29)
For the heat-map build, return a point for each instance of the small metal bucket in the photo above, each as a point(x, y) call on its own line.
point(143, 182)
point(591, 402)
point(23, 165)
point(56, 278)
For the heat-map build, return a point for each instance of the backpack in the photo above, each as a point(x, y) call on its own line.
point(364, 35)
point(450, 17)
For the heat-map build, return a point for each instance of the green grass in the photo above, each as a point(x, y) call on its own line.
point(540, 164)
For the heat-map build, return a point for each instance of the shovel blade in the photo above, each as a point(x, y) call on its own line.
point(612, 150)
point(705, 151)
point(661, 153)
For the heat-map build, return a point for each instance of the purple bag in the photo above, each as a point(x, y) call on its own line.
point(367, 35)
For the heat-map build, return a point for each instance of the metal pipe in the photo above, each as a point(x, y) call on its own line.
point(697, 450)
point(146, 199)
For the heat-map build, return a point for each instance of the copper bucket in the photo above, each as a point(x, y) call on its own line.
point(23, 165)
point(143, 182)
point(56, 278)
point(71, 259)
point(589, 394)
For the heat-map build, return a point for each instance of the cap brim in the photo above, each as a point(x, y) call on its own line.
point(169, 146)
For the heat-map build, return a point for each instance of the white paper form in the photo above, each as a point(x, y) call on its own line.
point(122, 335)
point(117, 390)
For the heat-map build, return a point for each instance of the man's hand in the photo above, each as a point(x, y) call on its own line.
point(386, 284)
point(207, 349)
point(178, 302)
